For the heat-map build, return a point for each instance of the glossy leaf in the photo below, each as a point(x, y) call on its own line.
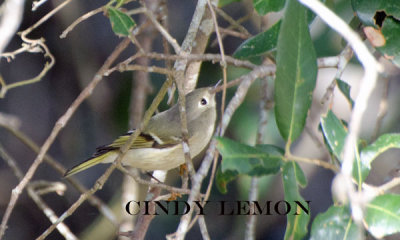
point(391, 32)
point(371, 152)
point(259, 44)
point(384, 19)
point(293, 177)
point(383, 215)
point(265, 6)
point(334, 224)
point(366, 9)
point(264, 42)
point(334, 132)
point(244, 159)
point(296, 72)
point(345, 89)
point(121, 23)
point(238, 158)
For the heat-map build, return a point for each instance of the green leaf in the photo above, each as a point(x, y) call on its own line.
point(264, 42)
point(369, 153)
point(345, 89)
point(334, 132)
point(259, 44)
point(238, 158)
point(391, 32)
point(244, 159)
point(384, 17)
point(223, 178)
point(296, 72)
point(335, 223)
point(265, 6)
point(293, 177)
point(121, 23)
point(383, 215)
point(366, 9)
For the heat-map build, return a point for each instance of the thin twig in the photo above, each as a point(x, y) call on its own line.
point(316, 162)
point(32, 45)
point(389, 185)
point(222, 52)
point(239, 21)
point(61, 122)
point(62, 228)
point(81, 19)
point(371, 69)
point(234, 23)
point(191, 58)
point(184, 128)
point(37, 4)
point(163, 31)
point(149, 69)
point(204, 57)
point(93, 200)
point(370, 192)
point(250, 231)
point(344, 58)
point(206, 163)
point(329, 62)
point(145, 220)
point(203, 228)
point(141, 80)
point(153, 184)
point(208, 191)
point(195, 42)
point(117, 162)
point(232, 33)
point(45, 18)
point(186, 83)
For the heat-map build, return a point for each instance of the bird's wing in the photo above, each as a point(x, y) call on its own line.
point(144, 140)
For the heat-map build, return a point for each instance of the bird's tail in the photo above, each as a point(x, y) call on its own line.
point(87, 164)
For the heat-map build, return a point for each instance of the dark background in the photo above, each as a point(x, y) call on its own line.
point(104, 116)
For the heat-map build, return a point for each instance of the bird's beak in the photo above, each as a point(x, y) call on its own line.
point(213, 89)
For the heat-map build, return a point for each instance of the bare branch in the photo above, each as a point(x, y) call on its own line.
point(371, 69)
point(62, 121)
point(123, 150)
point(344, 58)
point(163, 31)
point(93, 200)
point(79, 20)
point(265, 106)
point(235, 102)
point(62, 228)
point(234, 23)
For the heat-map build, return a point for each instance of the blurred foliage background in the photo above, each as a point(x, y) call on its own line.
point(104, 116)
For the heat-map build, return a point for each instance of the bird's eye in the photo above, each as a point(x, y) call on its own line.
point(203, 101)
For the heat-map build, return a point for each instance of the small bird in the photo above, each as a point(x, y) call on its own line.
point(159, 145)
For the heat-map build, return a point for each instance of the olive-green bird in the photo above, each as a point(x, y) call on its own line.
point(159, 146)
